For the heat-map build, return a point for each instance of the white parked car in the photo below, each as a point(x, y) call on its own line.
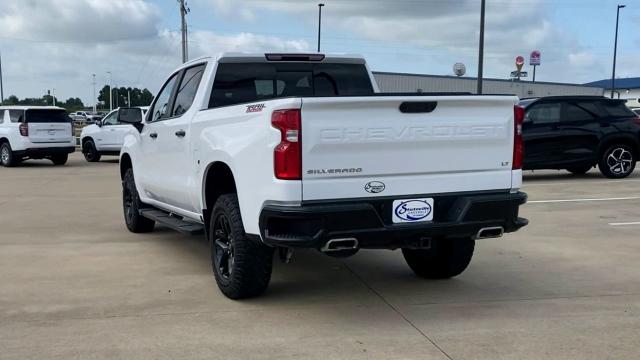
point(106, 136)
point(284, 151)
point(83, 116)
point(35, 132)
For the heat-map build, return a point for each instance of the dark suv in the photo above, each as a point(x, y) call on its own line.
point(577, 133)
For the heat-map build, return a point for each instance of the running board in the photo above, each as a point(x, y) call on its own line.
point(173, 222)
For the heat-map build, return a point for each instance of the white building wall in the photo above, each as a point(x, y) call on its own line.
point(389, 82)
point(631, 95)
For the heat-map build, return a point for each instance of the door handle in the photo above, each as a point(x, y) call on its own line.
point(153, 135)
point(181, 133)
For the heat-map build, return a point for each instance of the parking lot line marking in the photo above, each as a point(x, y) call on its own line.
point(582, 200)
point(625, 223)
point(547, 183)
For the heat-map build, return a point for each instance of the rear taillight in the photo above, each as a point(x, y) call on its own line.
point(518, 145)
point(287, 155)
point(24, 129)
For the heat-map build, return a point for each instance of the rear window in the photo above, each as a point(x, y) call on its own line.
point(244, 83)
point(46, 116)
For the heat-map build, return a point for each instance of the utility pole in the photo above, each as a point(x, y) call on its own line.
point(94, 93)
point(481, 50)
point(183, 18)
point(129, 98)
point(54, 97)
point(319, 23)
point(615, 50)
point(1, 89)
point(110, 90)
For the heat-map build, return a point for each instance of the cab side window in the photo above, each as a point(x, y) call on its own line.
point(16, 116)
point(161, 107)
point(187, 89)
point(111, 119)
point(544, 114)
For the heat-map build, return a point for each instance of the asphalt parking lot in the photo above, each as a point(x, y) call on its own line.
point(76, 284)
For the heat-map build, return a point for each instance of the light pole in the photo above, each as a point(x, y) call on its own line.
point(54, 96)
point(94, 93)
point(319, 23)
point(184, 10)
point(615, 50)
point(110, 90)
point(1, 89)
point(481, 47)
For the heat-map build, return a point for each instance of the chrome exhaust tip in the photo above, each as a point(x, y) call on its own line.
point(490, 232)
point(340, 244)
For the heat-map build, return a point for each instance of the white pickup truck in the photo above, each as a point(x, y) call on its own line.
point(283, 151)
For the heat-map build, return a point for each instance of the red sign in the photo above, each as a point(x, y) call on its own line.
point(519, 62)
point(534, 59)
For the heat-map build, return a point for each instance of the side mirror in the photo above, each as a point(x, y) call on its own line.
point(98, 122)
point(131, 116)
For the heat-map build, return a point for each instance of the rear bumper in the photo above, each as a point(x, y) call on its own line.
point(45, 151)
point(369, 220)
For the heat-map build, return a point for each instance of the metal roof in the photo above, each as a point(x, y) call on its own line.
point(485, 79)
point(625, 83)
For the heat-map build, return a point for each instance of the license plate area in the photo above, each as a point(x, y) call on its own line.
point(412, 210)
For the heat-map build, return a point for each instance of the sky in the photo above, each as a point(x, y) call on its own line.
point(59, 44)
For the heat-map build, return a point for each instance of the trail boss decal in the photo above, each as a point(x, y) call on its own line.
point(255, 108)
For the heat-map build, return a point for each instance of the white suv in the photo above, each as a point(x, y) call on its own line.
point(106, 136)
point(35, 132)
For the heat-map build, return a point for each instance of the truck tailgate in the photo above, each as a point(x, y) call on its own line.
point(355, 147)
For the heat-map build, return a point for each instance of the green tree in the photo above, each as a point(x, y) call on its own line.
point(11, 100)
point(139, 97)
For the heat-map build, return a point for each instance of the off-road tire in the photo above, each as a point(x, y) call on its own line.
point(579, 170)
point(6, 155)
point(617, 154)
point(90, 152)
point(131, 206)
point(248, 272)
point(445, 259)
point(59, 159)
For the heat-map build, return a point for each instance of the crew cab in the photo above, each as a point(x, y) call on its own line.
point(106, 135)
point(577, 133)
point(35, 132)
point(271, 152)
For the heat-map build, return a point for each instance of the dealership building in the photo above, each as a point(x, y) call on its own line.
point(401, 82)
point(626, 88)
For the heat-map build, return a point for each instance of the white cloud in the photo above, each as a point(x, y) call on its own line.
point(78, 20)
point(438, 33)
point(60, 43)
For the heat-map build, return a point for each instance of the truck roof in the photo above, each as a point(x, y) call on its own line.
point(29, 107)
